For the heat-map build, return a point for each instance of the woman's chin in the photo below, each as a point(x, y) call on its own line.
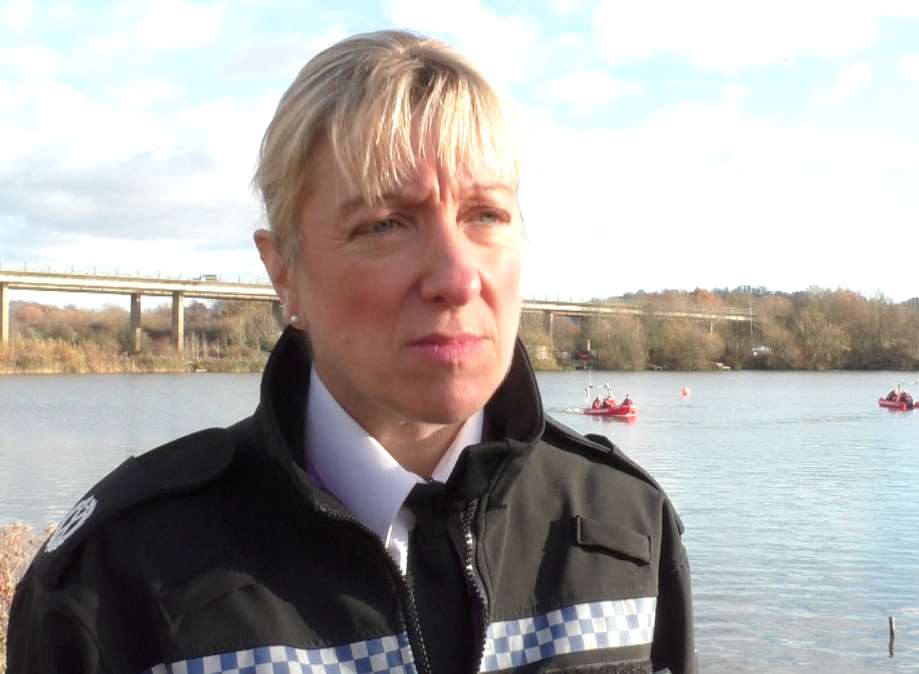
point(448, 406)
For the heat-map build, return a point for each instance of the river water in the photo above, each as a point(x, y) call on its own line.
point(800, 496)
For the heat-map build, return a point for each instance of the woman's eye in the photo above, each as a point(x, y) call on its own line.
point(382, 226)
point(490, 218)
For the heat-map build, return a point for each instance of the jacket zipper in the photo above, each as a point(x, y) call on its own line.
point(474, 582)
point(411, 611)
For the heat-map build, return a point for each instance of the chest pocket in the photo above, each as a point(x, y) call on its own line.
point(612, 539)
point(585, 560)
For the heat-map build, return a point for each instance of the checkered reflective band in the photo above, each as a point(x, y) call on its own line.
point(392, 655)
point(573, 629)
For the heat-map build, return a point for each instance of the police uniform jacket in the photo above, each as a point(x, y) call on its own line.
point(545, 551)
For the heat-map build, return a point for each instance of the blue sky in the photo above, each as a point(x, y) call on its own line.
point(667, 144)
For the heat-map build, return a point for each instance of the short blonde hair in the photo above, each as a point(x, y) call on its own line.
point(380, 101)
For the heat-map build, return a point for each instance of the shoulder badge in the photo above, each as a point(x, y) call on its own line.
point(72, 521)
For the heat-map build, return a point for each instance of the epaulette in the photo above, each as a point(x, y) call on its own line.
point(179, 466)
point(595, 443)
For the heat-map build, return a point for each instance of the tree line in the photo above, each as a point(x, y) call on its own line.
point(220, 335)
point(816, 329)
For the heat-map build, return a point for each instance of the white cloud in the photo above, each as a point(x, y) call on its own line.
point(708, 195)
point(16, 15)
point(727, 35)
point(28, 62)
point(171, 24)
point(850, 79)
point(144, 94)
point(507, 48)
point(282, 54)
point(909, 67)
point(71, 163)
point(108, 45)
point(566, 7)
point(590, 88)
point(679, 199)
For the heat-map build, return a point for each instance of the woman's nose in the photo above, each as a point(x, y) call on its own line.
point(451, 270)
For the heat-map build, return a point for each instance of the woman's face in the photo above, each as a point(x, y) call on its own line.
point(412, 306)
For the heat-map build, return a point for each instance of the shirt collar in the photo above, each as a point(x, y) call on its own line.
point(357, 469)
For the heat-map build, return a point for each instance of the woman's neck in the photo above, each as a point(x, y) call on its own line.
point(417, 447)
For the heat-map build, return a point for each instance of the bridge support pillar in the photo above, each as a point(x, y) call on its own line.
point(134, 335)
point(4, 314)
point(549, 325)
point(178, 320)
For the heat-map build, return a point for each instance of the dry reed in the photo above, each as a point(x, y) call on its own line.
point(18, 544)
point(37, 356)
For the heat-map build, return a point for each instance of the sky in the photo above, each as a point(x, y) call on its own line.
point(666, 144)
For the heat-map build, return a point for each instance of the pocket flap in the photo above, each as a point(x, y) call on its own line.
point(614, 539)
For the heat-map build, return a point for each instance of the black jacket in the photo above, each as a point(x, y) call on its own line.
point(545, 552)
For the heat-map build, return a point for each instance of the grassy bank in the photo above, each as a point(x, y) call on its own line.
point(18, 544)
point(219, 337)
point(46, 356)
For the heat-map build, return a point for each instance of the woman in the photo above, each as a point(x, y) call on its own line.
point(398, 502)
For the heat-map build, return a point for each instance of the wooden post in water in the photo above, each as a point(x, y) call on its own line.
point(893, 633)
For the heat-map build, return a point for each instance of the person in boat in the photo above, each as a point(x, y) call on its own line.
point(398, 501)
point(596, 404)
point(627, 400)
point(893, 396)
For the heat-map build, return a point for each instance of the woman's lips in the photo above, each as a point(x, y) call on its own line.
point(447, 348)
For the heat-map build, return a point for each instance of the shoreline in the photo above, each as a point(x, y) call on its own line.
point(249, 367)
point(188, 369)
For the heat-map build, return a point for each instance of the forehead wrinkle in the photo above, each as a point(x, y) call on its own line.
point(409, 196)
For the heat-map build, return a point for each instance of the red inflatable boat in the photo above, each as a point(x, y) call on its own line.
point(898, 399)
point(626, 411)
point(901, 405)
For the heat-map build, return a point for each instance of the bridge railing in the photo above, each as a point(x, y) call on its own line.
point(650, 306)
point(130, 272)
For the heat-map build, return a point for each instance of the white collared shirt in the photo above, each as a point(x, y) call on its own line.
point(363, 475)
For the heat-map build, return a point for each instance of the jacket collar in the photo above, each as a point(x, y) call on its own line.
point(514, 417)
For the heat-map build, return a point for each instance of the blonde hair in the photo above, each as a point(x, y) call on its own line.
point(380, 102)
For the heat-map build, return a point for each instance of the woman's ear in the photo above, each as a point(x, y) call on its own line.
point(278, 271)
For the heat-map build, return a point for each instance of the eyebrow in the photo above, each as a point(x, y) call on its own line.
point(400, 197)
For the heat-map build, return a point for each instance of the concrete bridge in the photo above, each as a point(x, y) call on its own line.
point(710, 314)
point(211, 287)
point(202, 287)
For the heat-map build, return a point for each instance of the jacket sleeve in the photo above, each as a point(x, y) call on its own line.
point(47, 636)
point(674, 646)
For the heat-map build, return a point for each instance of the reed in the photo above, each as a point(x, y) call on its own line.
point(18, 544)
point(36, 356)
